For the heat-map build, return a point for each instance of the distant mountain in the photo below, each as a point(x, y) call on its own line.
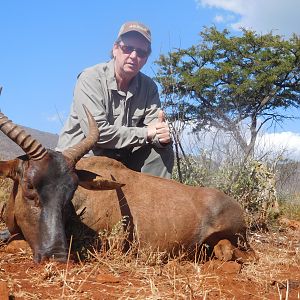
point(9, 150)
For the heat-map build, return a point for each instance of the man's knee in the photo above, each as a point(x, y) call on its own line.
point(148, 159)
point(160, 162)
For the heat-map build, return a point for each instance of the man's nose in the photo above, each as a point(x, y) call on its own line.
point(133, 54)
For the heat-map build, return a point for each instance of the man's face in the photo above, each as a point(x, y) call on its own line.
point(130, 55)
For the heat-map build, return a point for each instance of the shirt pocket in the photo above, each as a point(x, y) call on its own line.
point(117, 111)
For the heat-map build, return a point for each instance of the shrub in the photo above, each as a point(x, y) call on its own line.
point(251, 183)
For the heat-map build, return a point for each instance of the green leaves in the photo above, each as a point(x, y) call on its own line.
point(229, 79)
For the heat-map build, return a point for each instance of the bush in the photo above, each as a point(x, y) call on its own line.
point(251, 183)
point(5, 188)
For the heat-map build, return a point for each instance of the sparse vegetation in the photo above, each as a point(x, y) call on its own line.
point(5, 188)
point(112, 274)
point(109, 273)
point(252, 183)
point(290, 206)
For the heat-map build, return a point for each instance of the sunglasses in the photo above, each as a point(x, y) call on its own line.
point(126, 49)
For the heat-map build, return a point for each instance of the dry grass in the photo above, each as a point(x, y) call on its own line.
point(279, 257)
point(146, 274)
point(5, 188)
point(290, 207)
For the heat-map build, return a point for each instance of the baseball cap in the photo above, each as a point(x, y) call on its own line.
point(136, 26)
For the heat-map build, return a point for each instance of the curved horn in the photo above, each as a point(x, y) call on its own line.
point(77, 151)
point(30, 146)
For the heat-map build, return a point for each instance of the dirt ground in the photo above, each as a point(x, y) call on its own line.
point(112, 275)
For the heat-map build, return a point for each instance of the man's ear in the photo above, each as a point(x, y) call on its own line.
point(93, 181)
point(114, 49)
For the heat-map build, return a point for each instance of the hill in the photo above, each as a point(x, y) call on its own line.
point(9, 150)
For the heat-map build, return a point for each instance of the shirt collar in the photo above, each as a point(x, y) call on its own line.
point(110, 75)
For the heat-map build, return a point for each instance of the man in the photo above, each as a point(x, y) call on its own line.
point(126, 106)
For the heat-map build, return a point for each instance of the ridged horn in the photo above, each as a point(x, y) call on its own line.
point(77, 151)
point(29, 145)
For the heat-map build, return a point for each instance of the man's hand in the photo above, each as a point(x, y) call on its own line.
point(160, 129)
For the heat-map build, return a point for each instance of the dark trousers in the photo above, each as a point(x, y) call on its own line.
point(146, 159)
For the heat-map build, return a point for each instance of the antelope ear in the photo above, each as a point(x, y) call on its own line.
point(93, 181)
point(9, 168)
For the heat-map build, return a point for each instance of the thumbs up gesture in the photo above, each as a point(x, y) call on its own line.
point(161, 116)
point(162, 129)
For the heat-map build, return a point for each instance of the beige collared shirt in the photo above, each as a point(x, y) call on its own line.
point(121, 117)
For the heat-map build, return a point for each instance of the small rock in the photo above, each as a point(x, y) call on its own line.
point(231, 267)
point(107, 278)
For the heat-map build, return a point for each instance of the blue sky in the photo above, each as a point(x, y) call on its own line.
point(45, 44)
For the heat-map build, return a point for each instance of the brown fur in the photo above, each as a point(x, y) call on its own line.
point(161, 213)
point(158, 213)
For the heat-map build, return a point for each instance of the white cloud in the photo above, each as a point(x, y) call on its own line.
point(287, 142)
point(235, 6)
point(217, 143)
point(225, 18)
point(219, 19)
point(263, 16)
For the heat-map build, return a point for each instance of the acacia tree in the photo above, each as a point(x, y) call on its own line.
point(230, 81)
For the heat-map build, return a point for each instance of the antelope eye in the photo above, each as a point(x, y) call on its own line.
point(29, 191)
point(29, 186)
